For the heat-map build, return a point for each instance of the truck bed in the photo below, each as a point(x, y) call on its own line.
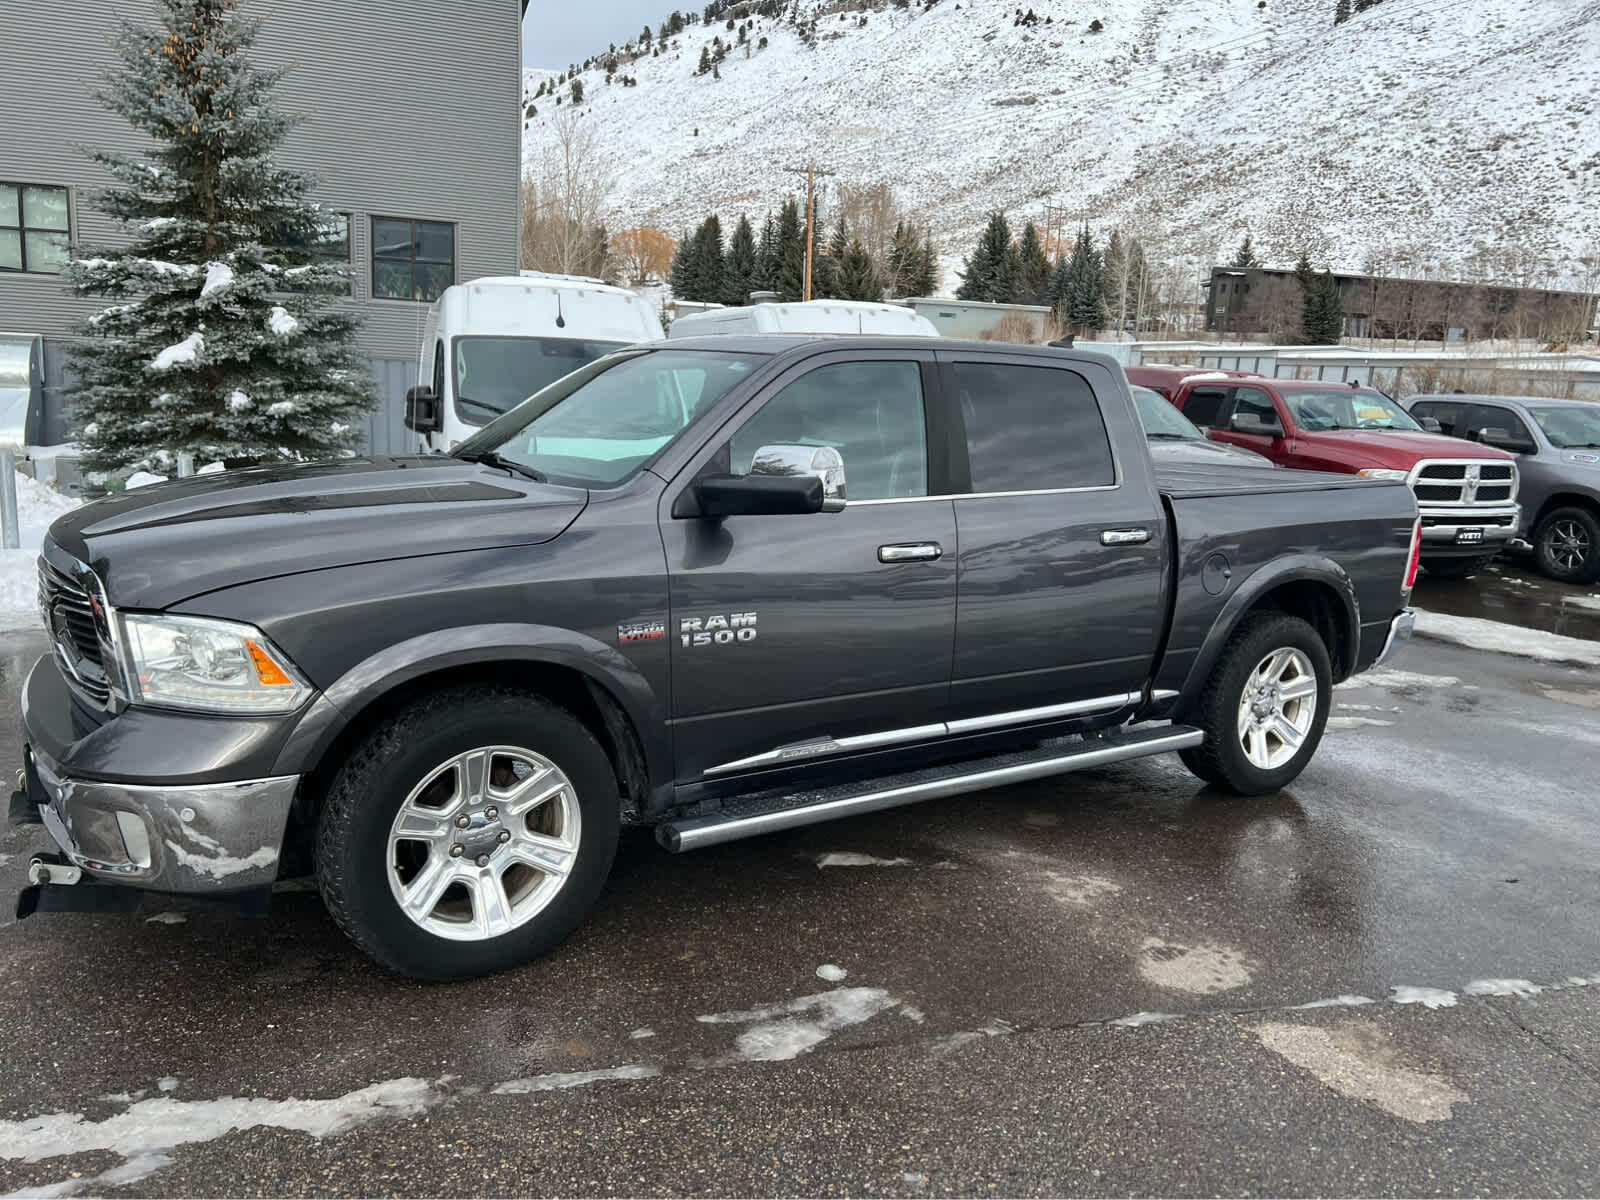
point(1193, 481)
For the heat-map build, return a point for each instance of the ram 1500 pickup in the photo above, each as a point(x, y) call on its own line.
point(716, 586)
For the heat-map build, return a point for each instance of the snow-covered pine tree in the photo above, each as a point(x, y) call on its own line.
point(225, 339)
point(740, 269)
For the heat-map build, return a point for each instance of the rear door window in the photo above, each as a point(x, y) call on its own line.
point(1032, 428)
point(1205, 406)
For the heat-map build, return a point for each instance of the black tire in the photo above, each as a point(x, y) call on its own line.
point(1456, 568)
point(1221, 759)
point(352, 837)
point(1566, 545)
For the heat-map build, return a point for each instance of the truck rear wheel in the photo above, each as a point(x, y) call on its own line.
point(1265, 706)
point(1567, 545)
point(471, 832)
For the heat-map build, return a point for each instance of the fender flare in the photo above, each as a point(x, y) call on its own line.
point(1295, 568)
point(474, 645)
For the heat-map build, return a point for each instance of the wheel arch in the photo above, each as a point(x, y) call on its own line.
point(599, 686)
point(1564, 499)
point(1312, 587)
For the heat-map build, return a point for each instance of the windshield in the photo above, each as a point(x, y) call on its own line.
point(600, 425)
point(495, 374)
point(1161, 420)
point(1346, 408)
point(1569, 428)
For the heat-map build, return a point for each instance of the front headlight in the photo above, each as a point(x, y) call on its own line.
point(211, 666)
point(1383, 473)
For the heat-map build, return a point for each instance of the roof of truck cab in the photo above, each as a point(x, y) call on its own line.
point(782, 343)
point(1514, 401)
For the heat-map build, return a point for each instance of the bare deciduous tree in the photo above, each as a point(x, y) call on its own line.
point(563, 203)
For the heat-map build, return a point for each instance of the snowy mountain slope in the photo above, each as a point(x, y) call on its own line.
point(1451, 136)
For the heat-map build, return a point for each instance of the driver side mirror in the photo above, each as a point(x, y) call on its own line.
point(1256, 424)
point(422, 410)
point(783, 480)
point(1430, 424)
point(1501, 439)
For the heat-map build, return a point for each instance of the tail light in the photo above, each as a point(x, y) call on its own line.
point(1416, 556)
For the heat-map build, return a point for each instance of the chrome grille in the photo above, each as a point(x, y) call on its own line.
point(1465, 484)
point(75, 629)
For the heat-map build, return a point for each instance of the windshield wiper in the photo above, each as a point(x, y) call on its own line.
point(490, 458)
point(487, 407)
point(1169, 437)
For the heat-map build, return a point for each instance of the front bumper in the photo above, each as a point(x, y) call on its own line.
point(1458, 531)
point(1400, 630)
point(211, 838)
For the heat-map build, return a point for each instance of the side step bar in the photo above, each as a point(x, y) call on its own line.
point(768, 812)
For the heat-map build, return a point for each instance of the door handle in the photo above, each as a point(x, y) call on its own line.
point(1124, 537)
point(910, 552)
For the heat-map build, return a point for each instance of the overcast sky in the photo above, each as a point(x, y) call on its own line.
point(557, 33)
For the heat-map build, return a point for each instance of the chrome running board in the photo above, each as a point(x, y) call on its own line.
point(768, 812)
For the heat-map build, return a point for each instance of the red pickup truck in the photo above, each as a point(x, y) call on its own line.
point(1466, 492)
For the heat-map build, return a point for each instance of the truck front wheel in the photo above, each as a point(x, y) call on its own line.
point(1265, 706)
point(1567, 545)
point(470, 832)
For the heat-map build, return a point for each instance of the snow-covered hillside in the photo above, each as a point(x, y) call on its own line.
point(1422, 136)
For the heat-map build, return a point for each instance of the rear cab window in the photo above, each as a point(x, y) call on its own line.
point(1032, 429)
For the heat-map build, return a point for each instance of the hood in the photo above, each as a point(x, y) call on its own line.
point(158, 545)
point(1200, 452)
point(1401, 449)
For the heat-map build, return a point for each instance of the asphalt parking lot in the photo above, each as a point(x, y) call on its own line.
point(1385, 980)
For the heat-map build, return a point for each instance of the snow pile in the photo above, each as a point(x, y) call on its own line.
point(281, 409)
point(184, 352)
point(281, 322)
point(141, 479)
point(1190, 120)
point(37, 507)
point(1478, 634)
point(238, 401)
point(219, 277)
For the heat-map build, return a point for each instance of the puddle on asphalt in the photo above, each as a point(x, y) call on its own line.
point(1513, 592)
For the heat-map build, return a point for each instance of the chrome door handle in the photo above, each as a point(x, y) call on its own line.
point(1124, 537)
point(910, 552)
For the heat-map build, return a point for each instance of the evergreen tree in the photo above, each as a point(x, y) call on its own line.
point(740, 269)
point(1246, 258)
point(903, 252)
point(1310, 300)
point(577, 91)
point(1086, 308)
point(991, 271)
point(1323, 322)
point(926, 279)
point(225, 339)
point(705, 60)
point(1033, 275)
point(680, 274)
point(789, 282)
point(767, 256)
point(858, 275)
point(824, 282)
point(706, 265)
point(1061, 289)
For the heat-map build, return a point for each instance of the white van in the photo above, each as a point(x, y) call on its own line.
point(809, 316)
point(490, 344)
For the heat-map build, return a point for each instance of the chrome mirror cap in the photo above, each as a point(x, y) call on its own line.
point(826, 463)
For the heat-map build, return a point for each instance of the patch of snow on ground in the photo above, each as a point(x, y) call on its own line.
point(281, 322)
point(185, 351)
point(1355, 722)
point(1145, 1018)
point(1502, 987)
point(572, 1079)
point(166, 918)
point(1427, 996)
point(831, 973)
point(1400, 681)
point(1337, 1002)
point(219, 276)
point(37, 507)
point(640, 1034)
point(1478, 634)
point(845, 858)
point(785, 1031)
point(147, 1131)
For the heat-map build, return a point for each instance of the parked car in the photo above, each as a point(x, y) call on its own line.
point(851, 574)
point(1174, 438)
point(489, 344)
point(1466, 492)
point(1165, 379)
point(1557, 444)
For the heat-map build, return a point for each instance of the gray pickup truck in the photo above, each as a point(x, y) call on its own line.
point(718, 587)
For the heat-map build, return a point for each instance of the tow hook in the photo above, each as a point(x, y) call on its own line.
point(43, 870)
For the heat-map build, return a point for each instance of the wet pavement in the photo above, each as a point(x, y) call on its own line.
point(1511, 590)
point(1116, 982)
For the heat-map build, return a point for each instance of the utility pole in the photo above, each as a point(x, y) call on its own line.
point(812, 175)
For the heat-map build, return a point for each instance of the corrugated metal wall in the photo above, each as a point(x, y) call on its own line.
point(408, 108)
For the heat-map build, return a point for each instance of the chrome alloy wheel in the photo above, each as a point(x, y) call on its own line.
point(484, 843)
point(1277, 708)
point(1568, 545)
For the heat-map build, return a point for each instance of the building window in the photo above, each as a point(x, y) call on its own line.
point(34, 228)
point(412, 260)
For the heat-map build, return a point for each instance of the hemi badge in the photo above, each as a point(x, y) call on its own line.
point(641, 631)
